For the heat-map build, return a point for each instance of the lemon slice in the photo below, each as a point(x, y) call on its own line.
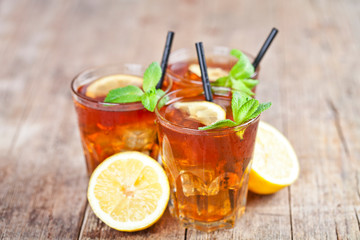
point(275, 164)
point(129, 191)
point(204, 112)
point(102, 86)
point(213, 73)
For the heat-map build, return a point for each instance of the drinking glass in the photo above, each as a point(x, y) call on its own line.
point(208, 170)
point(109, 128)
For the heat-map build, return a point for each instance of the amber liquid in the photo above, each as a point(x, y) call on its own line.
point(208, 173)
point(106, 130)
point(182, 77)
point(186, 78)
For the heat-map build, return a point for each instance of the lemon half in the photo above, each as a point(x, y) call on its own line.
point(275, 164)
point(129, 191)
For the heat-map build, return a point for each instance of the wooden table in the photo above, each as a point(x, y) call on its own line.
point(311, 75)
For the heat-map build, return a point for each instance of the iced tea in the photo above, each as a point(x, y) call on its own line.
point(218, 60)
point(208, 170)
point(108, 128)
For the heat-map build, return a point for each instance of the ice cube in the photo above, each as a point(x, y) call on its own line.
point(192, 185)
point(204, 183)
point(138, 139)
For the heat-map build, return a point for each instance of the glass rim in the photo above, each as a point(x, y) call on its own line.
point(179, 128)
point(179, 78)
point(130, 106)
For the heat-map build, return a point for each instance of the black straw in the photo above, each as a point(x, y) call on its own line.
point(165, 58)
point(204, 73)
point(265, 47)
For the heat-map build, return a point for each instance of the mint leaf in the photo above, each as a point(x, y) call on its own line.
point(159, 93)
point(247, 109)
point(243, 68)
point(262, 107)
point(152, 76)
point(150, 99)
point(236, 53)
point(131, 93)
point(223, 82)
point(219, 124)
point(244, 108)
point(239, 85)
point(238, 99)
point(239, 77)
point(254, 105)
point(250, 83)
point(124, 95)
point(250, 108)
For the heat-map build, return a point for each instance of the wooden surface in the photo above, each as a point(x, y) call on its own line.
point(311, 74)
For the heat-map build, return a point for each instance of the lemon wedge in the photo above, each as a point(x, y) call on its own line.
point(129, 191)
point(213, 73)
point(275, 164)
point(204, 112)
point(102, 86)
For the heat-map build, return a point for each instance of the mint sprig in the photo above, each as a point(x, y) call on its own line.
point(148, 96)
point(124, 95)
point(244, 108)
point(239, 77)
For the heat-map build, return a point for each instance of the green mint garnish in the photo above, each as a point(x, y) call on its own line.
point(239, 77)
point(244, 108)
point(243, 69)
point(148, 96)
point(124, 95)
point(219, 124)
point(152, 76)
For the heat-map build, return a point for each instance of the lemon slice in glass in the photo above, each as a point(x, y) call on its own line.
point(102, 86)
point(204, 112)
point(275, 164)
point(129, 191)
point(213, 73)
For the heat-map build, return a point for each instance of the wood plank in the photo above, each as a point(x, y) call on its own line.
point(317, 199)
point(166, 228)
point(11, 81)
point(39, 190)
point(344, 113)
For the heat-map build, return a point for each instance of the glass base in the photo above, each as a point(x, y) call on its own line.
point(226, 223)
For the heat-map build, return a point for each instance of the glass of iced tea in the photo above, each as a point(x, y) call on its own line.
point(183, 68)
point(208, 170)
point(108, 128)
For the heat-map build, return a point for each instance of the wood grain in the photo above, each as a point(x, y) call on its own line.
point(310, 74)
point(166, 228)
